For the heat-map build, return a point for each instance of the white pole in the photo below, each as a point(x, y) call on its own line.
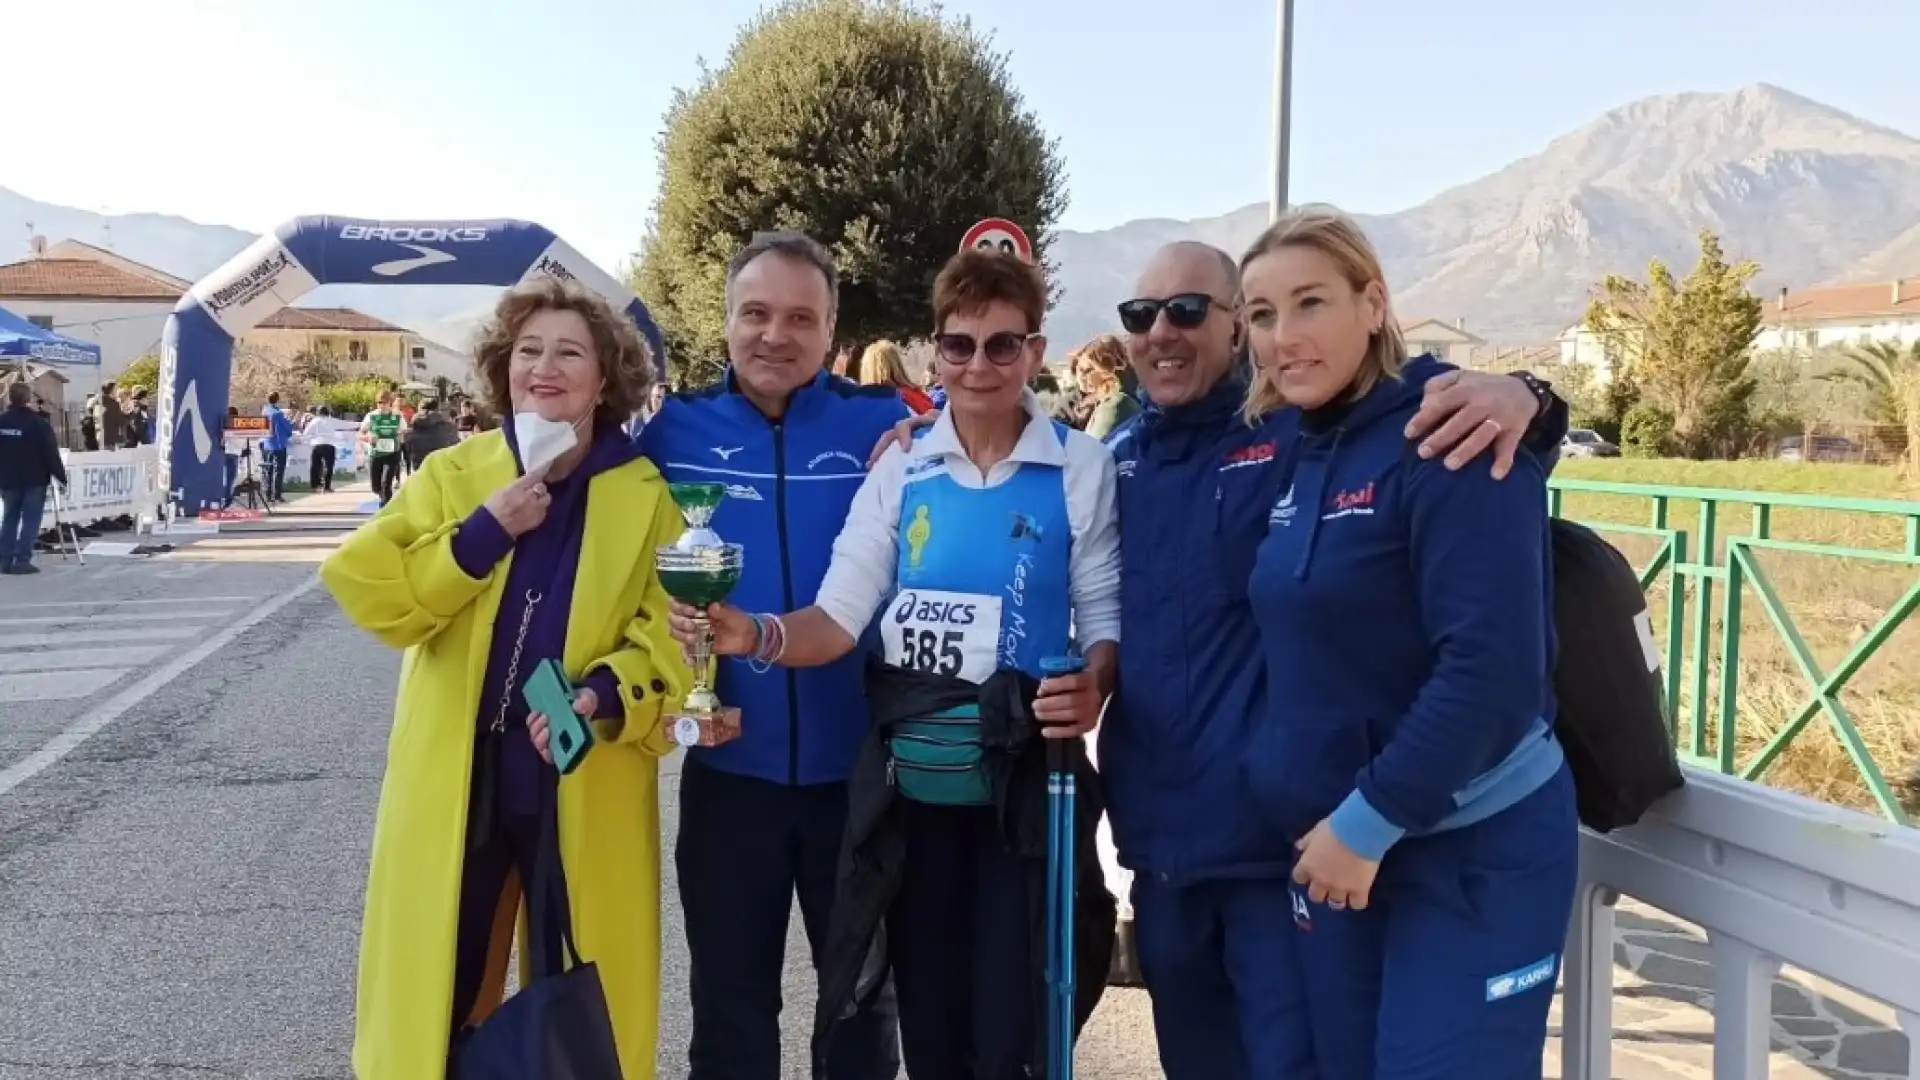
point(1282, 108)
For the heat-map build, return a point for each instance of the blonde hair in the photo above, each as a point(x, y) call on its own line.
point(1332, 233)
point(883, 365)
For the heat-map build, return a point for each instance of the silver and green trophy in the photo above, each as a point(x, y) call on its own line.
point(700, 569)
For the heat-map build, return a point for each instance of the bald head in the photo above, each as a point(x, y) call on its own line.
point(1193, 262)
point(1180, 364)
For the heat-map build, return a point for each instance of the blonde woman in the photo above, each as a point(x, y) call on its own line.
point(1408, 752)
point(1097, 368)
point(531, 542)
point(883, 364)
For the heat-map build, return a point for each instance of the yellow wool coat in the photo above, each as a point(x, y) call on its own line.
point(396, 577)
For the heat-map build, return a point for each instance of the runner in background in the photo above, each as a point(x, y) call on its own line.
point(380, 434)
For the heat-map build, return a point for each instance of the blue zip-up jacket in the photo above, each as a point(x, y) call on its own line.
point(1195, 484)
point(279, 429)
point(1405, 618)
point(789, 484)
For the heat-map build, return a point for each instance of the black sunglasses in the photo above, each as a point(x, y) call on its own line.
point(1185, 311)
point(1002, 348)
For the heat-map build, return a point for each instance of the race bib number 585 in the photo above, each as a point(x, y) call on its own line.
point(943, 633)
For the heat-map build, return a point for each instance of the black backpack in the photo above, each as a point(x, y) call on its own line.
point(1612, 720)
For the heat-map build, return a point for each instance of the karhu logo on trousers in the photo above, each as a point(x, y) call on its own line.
point(1538, 973)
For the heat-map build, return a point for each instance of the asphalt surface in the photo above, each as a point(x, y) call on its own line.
point(180, 892)
point(190, 755)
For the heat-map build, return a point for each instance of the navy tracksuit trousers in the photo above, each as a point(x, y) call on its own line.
point(1447, 975)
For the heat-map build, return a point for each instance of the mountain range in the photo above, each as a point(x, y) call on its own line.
point(1810, 192)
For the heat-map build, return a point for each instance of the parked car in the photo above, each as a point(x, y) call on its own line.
point(1586, 442)
point(1820, 448)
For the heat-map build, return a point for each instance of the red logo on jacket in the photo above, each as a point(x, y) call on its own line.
point(1257, 454)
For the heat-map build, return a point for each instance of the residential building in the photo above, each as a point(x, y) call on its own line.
point(1452, 344)
point(115, 303)
point(1833, 315)
point(1579, 345)
point(361, 344)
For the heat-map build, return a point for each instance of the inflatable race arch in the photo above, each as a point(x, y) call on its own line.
point(196, 349)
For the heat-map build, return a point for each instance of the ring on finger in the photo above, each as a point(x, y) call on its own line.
point(1497, 429)
point(1337, 903)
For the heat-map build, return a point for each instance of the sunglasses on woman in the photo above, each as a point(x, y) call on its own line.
point(1185, 311)
point(1002, 348)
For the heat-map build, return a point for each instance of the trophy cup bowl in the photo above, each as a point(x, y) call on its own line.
point(700, 569)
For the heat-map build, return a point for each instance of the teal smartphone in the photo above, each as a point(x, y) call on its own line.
point(569, 736)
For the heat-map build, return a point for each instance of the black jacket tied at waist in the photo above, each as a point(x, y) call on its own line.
point(873, 851)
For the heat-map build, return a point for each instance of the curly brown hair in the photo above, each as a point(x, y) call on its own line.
point(625, 361)
point(1103, 359)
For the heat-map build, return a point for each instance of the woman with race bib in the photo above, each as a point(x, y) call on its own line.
point(987, 549)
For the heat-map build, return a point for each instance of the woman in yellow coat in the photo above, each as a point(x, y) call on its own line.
point(532, 542)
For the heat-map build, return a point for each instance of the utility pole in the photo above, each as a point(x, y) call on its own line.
point(1282, 108)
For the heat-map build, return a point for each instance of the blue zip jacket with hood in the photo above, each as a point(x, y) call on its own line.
point(1405, 616)
point(789, 484)
point(1195, 484)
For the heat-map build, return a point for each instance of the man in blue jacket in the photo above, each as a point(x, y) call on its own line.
point(761, 817)
point(29, 464)
point(274, 448)
point(1210, 894)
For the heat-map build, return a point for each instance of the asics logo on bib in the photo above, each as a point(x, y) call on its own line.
point(911, 607)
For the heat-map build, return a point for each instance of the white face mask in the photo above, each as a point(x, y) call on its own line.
point(542, 441)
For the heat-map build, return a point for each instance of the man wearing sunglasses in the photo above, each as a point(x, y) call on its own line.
point(761, 816)
point(1196, 484)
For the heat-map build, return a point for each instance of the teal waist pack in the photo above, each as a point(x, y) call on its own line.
point(938, 760)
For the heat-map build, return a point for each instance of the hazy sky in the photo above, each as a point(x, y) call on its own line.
point(248, 113)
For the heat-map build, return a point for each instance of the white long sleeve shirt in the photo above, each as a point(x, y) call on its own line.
point(865, 556)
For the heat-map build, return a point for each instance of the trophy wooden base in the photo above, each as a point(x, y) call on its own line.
point(714, 728)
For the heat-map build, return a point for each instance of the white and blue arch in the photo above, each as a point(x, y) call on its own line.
point(196, 350)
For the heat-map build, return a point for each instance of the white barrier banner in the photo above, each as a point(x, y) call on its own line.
point(345, 454)
point(111, 483)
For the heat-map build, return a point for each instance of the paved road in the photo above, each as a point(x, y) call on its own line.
point(180, 891)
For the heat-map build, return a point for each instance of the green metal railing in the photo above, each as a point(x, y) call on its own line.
point(1697, 557)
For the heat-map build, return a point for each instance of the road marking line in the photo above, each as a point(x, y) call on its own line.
point(117, 706)
point(131, 603)
point(101, 637)
point(130, 617)
point(57, 685)
point(68, 659)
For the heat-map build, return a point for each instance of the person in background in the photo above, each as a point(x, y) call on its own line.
point(29, 464)
point(273, 448)
point(108, 418)
point(380, 434)
point(139, 421)
point(318, 432)
point(1408, 752)
point(430, 431)
point(761, 816)
point(89, 427)
point(883, 365)
point(232, 447)
point(1099, 368)
point(468, 422)
point(484, 565)
point(846, 363)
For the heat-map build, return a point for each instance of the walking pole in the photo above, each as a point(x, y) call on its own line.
point(1060, 891)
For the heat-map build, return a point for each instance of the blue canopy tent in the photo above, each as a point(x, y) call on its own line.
point(21, 341)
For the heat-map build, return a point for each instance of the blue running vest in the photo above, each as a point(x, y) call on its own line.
point(962, 550)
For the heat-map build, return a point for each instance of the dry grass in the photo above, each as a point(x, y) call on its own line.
point(1833, 601)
